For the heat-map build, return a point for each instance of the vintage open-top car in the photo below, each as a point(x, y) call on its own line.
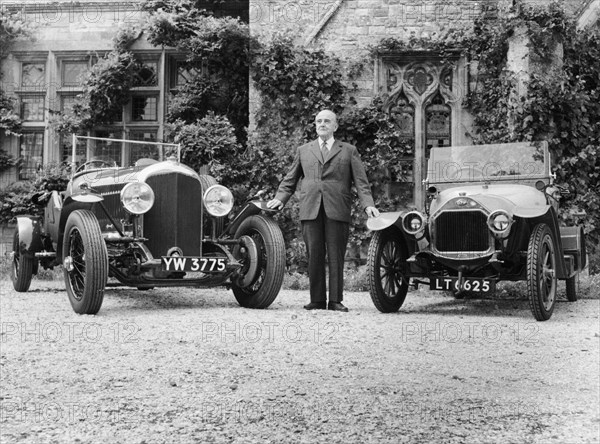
point(156, 223)
point(490, 215)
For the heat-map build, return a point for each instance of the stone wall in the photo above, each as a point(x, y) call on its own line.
point(348, 28)
point(63, 30)
point(350, 24)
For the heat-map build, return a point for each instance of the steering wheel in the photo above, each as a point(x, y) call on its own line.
point(96, 163)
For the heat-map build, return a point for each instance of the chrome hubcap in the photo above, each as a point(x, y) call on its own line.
point(68, 263)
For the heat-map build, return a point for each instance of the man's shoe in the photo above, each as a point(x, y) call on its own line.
point(315, 306)
point(337, 306)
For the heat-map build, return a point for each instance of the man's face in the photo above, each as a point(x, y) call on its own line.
point(326, 124)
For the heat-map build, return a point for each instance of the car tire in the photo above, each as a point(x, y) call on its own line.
point(22, 267)
point(387, 251)
point(264, 286)
point(541, 272)
point(571, 284)
point(207, 181)
point(85, 261)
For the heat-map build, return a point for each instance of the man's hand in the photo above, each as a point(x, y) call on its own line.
point(372, 212)
point(275, 203)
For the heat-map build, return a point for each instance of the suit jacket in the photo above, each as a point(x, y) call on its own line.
point(328, 182)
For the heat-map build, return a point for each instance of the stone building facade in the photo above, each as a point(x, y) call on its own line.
point(45, 74)
point(427, 94)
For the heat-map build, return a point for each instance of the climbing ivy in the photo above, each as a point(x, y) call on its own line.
point(12, 29)
point(295, 83)
point(562, 108)
point(105, 89)
point(217, 57)
point(561, 103)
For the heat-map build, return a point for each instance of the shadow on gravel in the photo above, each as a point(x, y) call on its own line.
point(166, 298)
point(476, 307)
point(35, 291)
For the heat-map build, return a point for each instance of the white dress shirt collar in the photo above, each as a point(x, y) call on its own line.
point(328, 142)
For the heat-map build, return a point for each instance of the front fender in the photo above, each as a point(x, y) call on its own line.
point(385, 220)
point(30, 235)
point(550, 218)
point(69, 205)
point(250, 209)
point(531, 212)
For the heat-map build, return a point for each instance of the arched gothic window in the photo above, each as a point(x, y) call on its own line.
point(402, 173)
point(438, 117)
point(424, 93)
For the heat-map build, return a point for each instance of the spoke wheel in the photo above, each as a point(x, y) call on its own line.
point(541, 273)
point(22, 267)
point(265, 260)
point(85, 262)
point(386, 265)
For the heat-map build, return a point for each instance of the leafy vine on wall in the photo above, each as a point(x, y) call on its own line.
point(12, 29)
point(293, 83)
point(561, 98)
point(105, 89)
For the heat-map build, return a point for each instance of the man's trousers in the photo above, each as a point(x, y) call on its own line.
point(320, 235)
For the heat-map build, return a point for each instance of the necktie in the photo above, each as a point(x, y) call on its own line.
point(324, 150)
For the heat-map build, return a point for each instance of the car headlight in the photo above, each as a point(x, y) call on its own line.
point(413, 222)
point(218, 201)
point(137, 197)
point(499, 222)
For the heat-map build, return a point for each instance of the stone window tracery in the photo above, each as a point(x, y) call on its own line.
point(424, 95)
point(438, 117)
point(419, 78)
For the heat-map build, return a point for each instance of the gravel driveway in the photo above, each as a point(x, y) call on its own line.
point(182, 365)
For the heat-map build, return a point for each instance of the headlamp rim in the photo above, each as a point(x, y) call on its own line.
point(409, 218)
point(492, 219)
point(210, 189)
point(131, 185)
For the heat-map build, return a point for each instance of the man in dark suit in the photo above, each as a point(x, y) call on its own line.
point(328, 168)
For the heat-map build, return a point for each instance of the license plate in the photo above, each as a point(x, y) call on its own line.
point(193, 263)
point(469, 284)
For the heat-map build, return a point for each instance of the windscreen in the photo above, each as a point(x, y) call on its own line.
point(477, 163)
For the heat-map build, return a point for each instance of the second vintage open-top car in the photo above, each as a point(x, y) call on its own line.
point(491, 215)
point(156, 223)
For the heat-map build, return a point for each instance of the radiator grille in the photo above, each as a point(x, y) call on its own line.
point(176, 216)
point(112, 203)
point(461, 231)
